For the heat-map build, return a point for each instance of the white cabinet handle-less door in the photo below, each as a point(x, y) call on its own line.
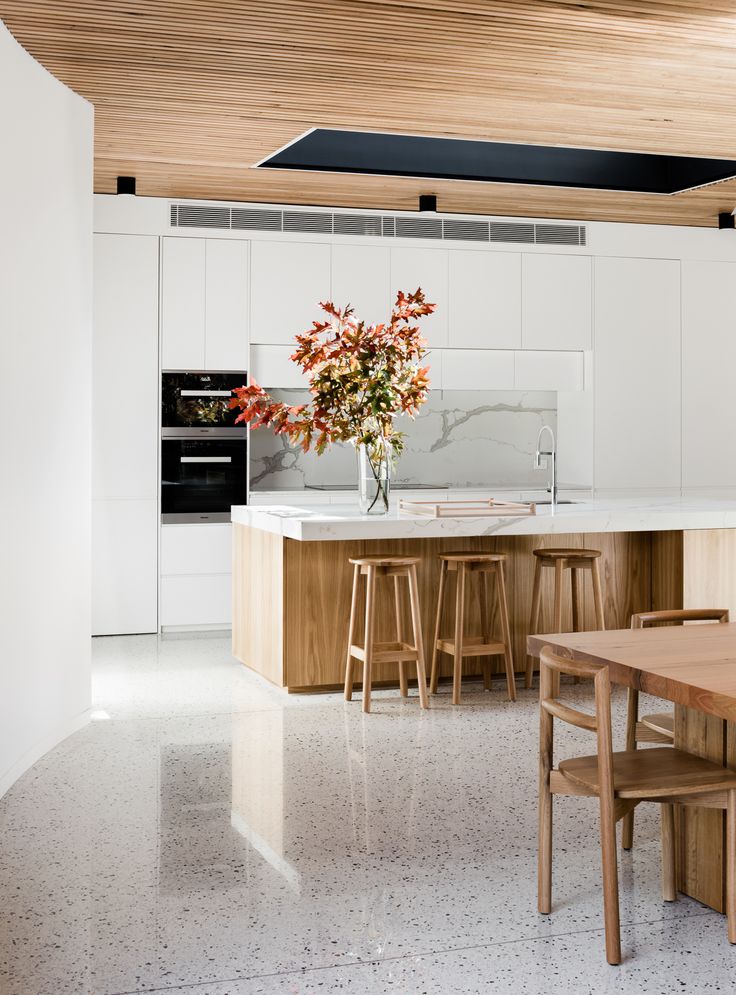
point(425, 268)
point(485, 299)
point(183, 280)
point(288, 280)
point(556, 302)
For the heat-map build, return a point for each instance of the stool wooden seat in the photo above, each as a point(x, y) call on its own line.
point(561, 559)
point(372, 652)
point(660, 726)
point(462, 645)
point(620, 782)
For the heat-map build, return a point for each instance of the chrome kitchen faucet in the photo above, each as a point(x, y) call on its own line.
point(540, 462)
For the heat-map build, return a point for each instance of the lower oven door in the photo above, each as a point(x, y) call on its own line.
point(201, 481)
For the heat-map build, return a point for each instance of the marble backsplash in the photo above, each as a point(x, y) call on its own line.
point(459, 438)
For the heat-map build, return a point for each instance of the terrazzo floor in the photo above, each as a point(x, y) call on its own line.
point(208, 835)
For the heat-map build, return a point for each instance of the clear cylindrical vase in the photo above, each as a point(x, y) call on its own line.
point(374, 478)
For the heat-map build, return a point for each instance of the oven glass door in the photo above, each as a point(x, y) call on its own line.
point(202, 480)
point(199, 402)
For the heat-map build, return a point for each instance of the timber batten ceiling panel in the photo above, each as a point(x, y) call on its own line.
point(190, 95)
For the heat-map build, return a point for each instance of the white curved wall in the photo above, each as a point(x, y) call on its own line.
point(45, 386)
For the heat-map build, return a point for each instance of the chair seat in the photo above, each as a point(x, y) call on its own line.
point(652, 773)
point(560, 553)
point(661, 722)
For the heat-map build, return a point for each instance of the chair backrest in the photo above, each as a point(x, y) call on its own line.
point(678, 616)
point(551, 667)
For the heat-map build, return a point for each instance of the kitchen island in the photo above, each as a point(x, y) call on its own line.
point(292, 578)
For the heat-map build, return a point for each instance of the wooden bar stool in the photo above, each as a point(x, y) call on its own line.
point(373, 652)
point(561, 560)
point(482, 645)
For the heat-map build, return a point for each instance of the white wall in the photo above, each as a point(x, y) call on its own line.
point(45, 325)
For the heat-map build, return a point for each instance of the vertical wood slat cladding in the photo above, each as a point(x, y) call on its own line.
point(188, 95)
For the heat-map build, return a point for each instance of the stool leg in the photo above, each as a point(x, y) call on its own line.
point(368, 641)
point(557, 617)
point(597, 595)
point(457, 670)
point(534, 621)
point(351, 634)
point(575, 592)
point(485, 628)
point(438, 621)
point(416, 623)
point(403, 683)
point(506, 631)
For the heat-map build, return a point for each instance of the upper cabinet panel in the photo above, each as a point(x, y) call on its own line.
point(485, 300)
point(425, 268)
point(226, 305)
point(288, 280)
point(361, 276)
point(556, 302)
point(182, 303)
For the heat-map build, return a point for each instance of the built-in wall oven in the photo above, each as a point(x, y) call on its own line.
point(204, 455)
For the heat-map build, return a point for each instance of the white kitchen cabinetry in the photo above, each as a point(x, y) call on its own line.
point(288, 280)
point(270, 366)
point(556, 301)
point(204, 304)
point(361, 276)
point(125, 428)
point(549, 371)
point(477, 369)
point(426, 268)
point(485, 299)
point(196, 570)
point(708, 362)
point(637, 373)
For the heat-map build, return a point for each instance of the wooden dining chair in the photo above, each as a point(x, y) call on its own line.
point(660, 726)
point(620, 782)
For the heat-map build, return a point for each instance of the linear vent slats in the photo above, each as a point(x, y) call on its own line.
point(465, 230)
point(419, 227)
point(375, 225)
point(511, 232)
point(557, 235)
point(256, 220)
point(356, 224)
point(307, 221)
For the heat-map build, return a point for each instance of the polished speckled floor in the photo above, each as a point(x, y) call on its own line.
point(208, 835)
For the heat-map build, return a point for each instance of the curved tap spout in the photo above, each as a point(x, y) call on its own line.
point(541, 464)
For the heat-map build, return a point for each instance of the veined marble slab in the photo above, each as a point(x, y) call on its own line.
point(320, 523)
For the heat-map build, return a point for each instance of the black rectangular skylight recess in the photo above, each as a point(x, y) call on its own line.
point(382, 154)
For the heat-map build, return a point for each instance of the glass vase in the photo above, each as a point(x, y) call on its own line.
point(374, 478)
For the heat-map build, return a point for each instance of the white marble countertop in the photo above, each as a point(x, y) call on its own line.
point(325, 522)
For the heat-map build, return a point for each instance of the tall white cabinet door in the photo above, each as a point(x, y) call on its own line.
point(708, 362)
point(361, 276)
point(556, 301)
point(288, 280)
point(182, 303)
point(425, 268)
point(485, 300)
point(124, 567)
point(125, 417)
point(637, 373)
point(226, 305)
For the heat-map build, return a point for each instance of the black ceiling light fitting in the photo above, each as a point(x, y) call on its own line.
point(384, 154)
point(726, 220)
point(428, 202)
point(126, 184)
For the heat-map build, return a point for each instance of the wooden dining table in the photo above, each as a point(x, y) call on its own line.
point(693, 666)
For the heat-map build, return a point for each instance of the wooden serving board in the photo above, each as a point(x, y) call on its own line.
point(489, 507)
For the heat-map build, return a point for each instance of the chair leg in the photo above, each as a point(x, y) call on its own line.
point(731, 865)
point(669, 883)
point(508, 655)
point(485, 628)
point(610, 881)
point(438, 621)
point(403, 682)
point(351, 636)
point(595, 574)
point(544, 850)
point(368, 642)
point(457, 670)
point(632, 716)
point(534, 620)
point(416, 622)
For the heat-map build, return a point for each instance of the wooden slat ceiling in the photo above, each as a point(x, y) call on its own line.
point(189, 94)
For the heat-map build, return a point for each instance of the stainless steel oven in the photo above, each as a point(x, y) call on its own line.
point(204, 455)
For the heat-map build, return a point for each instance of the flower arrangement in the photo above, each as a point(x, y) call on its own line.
point(361, 377)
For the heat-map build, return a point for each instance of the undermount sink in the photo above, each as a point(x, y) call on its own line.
point(548, 501)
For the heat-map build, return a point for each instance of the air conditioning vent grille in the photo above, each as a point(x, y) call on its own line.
point(375, 225)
